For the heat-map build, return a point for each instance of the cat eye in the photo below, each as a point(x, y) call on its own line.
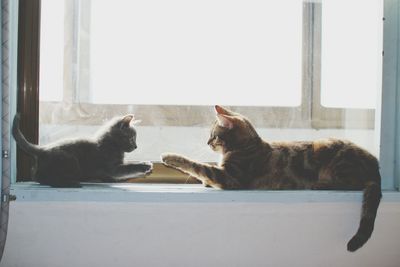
point(217, 140)
point(210, 140)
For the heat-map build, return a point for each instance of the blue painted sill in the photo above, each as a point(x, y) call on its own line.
point(180, 193)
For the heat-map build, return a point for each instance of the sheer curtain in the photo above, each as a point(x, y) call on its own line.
point(169, 62)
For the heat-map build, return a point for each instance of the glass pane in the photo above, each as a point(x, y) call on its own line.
point(185, 53)
point(351, 53)
point(196, 52)
point(52, 50)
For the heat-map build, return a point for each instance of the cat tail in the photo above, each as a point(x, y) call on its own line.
point(371, 198)
point(29, 148)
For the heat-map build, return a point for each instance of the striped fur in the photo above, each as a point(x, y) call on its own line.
point(250, 163)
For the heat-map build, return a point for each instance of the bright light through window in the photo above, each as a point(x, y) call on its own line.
point(205, 52)
point(146, 55)
point(245, 52)
point(51, 50)
point(351, 63)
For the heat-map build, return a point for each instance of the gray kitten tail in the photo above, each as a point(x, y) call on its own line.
point(29, 148)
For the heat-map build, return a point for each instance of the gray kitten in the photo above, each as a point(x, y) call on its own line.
point(69, 162)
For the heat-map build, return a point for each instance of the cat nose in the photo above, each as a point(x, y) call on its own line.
point(209, 141)
point(134, 146)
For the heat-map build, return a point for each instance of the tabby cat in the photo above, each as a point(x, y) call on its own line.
point(248, 162)
point(69, 162)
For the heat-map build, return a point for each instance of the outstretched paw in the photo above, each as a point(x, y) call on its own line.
point(146, 167)
point(172, 160)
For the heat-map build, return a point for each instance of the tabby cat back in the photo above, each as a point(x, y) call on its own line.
point(68, 162)
point(248, 162)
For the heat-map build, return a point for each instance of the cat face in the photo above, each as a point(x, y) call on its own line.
point(124, 133)
point(230, 131)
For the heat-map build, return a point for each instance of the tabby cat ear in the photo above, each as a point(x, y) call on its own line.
point(225, 121)
point(126, 120)
point(223, 111)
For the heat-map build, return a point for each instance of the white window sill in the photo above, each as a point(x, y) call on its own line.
point(181, 193)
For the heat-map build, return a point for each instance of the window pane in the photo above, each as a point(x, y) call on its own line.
point(52, 50)
point(150, 54)
point(196, 52)
point(351, 53)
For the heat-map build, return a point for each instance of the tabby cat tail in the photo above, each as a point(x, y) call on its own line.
point(371, 198)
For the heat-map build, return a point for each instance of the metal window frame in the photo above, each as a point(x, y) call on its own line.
point(8, 73)
point(389, 113)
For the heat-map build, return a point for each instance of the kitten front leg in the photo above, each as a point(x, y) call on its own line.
point(208, 174)
point(131, 170)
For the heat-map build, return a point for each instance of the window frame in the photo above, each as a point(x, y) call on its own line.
point(28, 56)
point(310, 114)
point(306, 116)
point(389, 112)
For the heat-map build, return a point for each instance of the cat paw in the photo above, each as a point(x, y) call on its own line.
point(146, 167)
point(205, 184)
point(172, 160)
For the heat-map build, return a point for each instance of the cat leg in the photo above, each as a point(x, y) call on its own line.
point(324, 185)
point(208, 174)
point(64, 182)
point(59, 170)
point(131, 170)
point(339, 177)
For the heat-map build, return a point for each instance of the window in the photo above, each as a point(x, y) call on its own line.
point(289, 65)
point(350, 62)
point(205, 47)
point(342, 55)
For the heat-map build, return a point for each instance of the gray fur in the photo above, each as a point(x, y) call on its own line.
point(69, 162)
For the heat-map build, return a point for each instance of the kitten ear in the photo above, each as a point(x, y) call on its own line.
point(225, 121)
point(222, 111)
point(136, 122)
point(126, 120)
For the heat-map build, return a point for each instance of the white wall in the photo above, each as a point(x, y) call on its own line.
point(196, 234)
